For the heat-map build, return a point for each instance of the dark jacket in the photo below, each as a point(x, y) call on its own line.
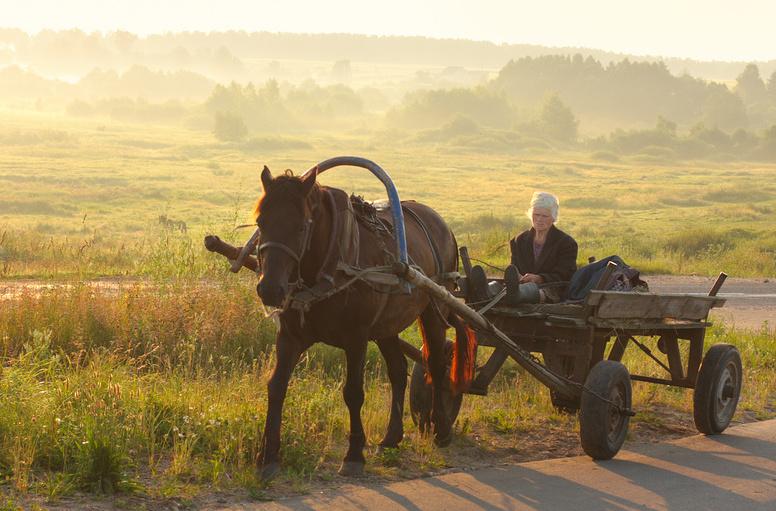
point(557, 261)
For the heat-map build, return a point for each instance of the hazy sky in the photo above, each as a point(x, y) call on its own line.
point(709, 30)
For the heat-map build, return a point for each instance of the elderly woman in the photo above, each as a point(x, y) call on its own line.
point(543, 254)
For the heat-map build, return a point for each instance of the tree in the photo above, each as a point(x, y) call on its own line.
point(557, 120)
point(772, 87)
point(666, 126)
point(723, 109)
point(341, 71)
point(122, 41)
point(750, 86)
point(229, 127)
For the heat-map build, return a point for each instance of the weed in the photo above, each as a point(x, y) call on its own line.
point(102, 463)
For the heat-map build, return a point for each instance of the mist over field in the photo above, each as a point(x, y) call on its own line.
point(103, 131)
point(133, 364)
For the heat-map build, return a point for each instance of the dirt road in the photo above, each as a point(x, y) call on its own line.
point(750, 302)
point(736, 470)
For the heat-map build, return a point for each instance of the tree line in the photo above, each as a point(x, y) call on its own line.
point(223, 54)
point(629, 93)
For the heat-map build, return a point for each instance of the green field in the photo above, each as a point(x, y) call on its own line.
point(83, 198)
point(158, 392)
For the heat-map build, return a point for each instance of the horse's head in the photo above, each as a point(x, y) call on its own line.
point(284, 218)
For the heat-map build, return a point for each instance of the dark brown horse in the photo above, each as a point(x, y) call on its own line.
point(297, 219)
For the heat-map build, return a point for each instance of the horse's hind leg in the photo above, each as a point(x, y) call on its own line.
point(434, 328)
point(353, 392)
point(396, 365)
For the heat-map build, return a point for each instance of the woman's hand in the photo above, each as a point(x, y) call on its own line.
point(532, 277)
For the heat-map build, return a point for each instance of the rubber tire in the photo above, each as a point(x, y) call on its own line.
point(421, 395)
point(559, 401)
point(719, 360)
point(600, 435)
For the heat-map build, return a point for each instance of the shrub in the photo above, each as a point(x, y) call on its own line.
point(229, 127)
point(694, 242)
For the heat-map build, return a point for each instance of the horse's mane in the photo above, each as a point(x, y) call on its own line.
point(286, 188)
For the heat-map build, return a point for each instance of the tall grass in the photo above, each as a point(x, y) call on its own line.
point(703, 250)
point(161, 391)
point(84, 202)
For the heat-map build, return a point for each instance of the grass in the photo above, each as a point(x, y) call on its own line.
point(83, 198)
point(155, 386)
point(160, 393)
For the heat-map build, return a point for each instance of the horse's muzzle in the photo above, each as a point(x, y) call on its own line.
point(271, 295)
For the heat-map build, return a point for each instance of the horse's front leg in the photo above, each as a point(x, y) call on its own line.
point(353, 392)
point(396, 365)
point(288, 349)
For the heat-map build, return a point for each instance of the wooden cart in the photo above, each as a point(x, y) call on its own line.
point(583, 345)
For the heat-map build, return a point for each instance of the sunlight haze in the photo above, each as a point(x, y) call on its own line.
point(710, 30)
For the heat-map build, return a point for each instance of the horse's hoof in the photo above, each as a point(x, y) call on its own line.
point(270, 471)
point(443, 441)
point(351, 468)
point(382, 446)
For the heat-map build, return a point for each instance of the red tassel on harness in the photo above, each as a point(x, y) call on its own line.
point(464, 355)
point(426, 371)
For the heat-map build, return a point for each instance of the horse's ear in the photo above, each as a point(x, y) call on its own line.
point(266, 178)
point(309, 180)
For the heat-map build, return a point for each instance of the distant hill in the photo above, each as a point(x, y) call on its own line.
point(76, 52)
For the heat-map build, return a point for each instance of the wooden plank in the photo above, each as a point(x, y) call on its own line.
point(613, 304)
point(618, 347)
point(649, 324)
point(674, 357)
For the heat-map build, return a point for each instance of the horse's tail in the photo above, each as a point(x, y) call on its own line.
point(464, 354)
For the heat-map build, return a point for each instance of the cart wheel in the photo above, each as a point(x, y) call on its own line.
point(717, 389)
point(602, 426)
point(563, 365)
point(420, 395)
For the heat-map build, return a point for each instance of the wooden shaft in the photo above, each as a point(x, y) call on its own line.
point(245, 253)
point(718, 283)
point(467, 263)
point(469, 315)
point(411, 351)
point(489, 370)
point(217, 245)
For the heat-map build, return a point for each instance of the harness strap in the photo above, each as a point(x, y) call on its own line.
point(434, 249)
point(329, 265)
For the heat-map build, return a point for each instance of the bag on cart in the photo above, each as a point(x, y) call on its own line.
point(624, 278)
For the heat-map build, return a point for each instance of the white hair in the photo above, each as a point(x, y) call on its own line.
point(544, 200)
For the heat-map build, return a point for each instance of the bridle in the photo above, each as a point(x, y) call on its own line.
point(330, 260)
point(297, 256)
point(251, 247)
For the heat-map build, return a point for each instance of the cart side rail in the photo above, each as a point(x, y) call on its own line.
point(630, 305)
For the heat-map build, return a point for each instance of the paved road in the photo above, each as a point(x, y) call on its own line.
point(734, 471)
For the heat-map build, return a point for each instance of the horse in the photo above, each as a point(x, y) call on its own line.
point(298, 222)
